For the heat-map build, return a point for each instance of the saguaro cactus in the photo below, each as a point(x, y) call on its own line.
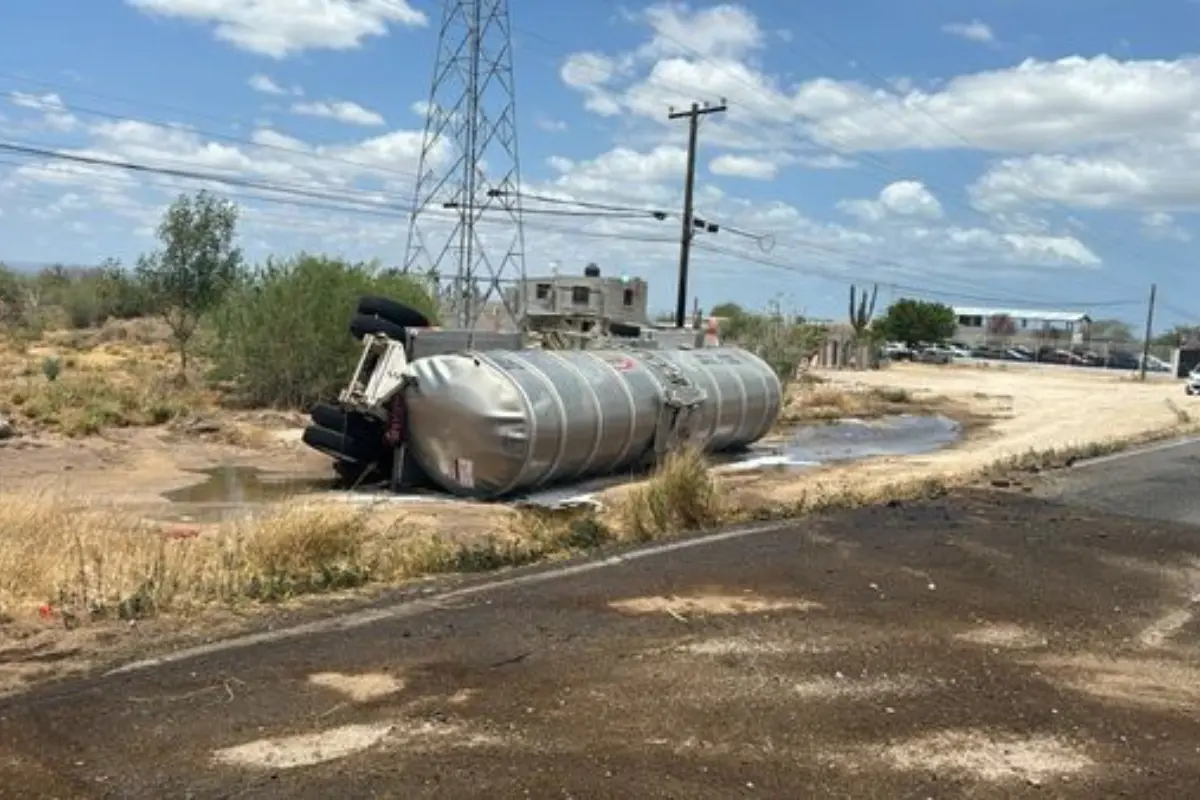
point(862, 308)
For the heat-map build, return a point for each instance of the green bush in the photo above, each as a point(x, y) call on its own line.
point(783, 344)
point(91, 297)
point(282, 337)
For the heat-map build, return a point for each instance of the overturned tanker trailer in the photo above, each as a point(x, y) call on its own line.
point(492, 423)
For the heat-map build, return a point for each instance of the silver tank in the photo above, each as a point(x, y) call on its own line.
point(487, 424)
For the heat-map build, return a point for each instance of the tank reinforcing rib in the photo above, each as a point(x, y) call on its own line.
point(491, 424)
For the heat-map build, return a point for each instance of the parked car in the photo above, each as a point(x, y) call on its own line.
point(1192, 386)
point(1119, 359)
point(934, 355)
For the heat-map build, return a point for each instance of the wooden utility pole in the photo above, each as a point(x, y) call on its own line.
point(693, 115)
point(1149, 328)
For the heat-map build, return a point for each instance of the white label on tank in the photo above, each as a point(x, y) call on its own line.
point(464, 472)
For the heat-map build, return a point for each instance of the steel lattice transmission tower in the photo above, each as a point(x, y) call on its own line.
point(469, 165)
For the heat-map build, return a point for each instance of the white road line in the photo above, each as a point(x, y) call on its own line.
point(1134, 453)
point(435, 602)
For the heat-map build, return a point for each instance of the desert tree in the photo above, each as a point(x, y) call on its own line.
point(916, 322)
point(197, 265)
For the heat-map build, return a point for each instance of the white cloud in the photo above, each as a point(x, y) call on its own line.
point(1138, 178)
point(550, 125)
point(265, 84)
point(744, 167)
point(623, 172)
point(55, 114)
point(589, 73)
point(1037, 105)
point(1067, 109)
point(724, 30)
point(281, 28)
point(1083, 132)
point(825, 161)
point(1161, 225)
point(340, 110)
point(900, 199)
point(974, 31)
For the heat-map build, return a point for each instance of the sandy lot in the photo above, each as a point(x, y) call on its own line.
point(1017, 411)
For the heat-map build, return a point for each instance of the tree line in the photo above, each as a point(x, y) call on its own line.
point(271, 334)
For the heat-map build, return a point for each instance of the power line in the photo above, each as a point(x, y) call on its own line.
point(765, 242)
point(323, 201)
point(329, 201)
point(919, 290)
point(765, 109)
point(283, 189)
point(95, 112)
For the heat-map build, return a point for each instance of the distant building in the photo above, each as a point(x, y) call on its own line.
point(978, 326)
point(587, 303)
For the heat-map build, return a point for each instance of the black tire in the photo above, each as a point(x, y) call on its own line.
point(342, 447)
point(355, 425)
point(392, 311)
point(365, 325)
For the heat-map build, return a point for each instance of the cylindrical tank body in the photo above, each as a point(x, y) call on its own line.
point(488, 424)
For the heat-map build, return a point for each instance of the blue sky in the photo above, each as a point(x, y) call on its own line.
point(1002, 152)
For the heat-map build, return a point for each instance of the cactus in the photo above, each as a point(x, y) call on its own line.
point(863, 310)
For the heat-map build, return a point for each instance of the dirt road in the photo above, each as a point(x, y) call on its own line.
point(988, 645)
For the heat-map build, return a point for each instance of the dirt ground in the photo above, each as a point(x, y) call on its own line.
point(1014, 411)
point(1010, 411)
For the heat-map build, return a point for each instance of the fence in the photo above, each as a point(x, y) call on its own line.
point(1114, 354)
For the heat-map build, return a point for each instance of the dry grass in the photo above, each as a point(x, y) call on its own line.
point(79, 383)
point(95, 564)
point(819, 402)
point(681, 495)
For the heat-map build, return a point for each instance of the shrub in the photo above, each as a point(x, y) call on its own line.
point(784, 345)
point(282, 338)
point(681, 495)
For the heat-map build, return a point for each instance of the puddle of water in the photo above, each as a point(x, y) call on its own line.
point(852, 440)
point(247, 485)
point(235, 490)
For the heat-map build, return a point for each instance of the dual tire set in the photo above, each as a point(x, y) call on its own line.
point(386, 316)
point(355, 441)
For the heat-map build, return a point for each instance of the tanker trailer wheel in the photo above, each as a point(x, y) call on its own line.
point(355, 425)
point(392, 311)
point(343, 447)
point(365, 325)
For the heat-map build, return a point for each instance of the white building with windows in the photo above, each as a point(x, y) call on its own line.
point(978, 326)
point(587, 303)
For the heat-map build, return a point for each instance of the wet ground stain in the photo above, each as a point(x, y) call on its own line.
point(234, 490)
point(231, 491)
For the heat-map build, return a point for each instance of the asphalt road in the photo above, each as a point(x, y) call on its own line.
point(988, 645)
point(1161, 482)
